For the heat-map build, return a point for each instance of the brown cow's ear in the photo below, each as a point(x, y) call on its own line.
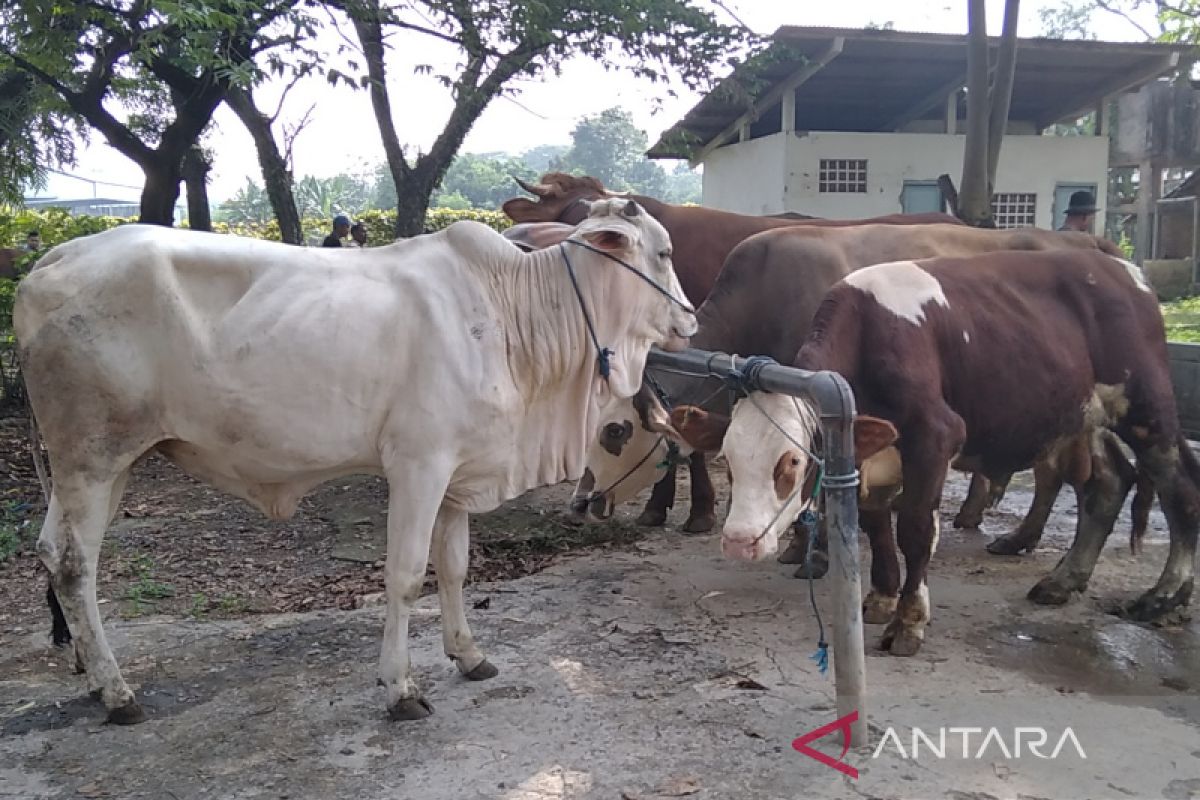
point(701, 430)
point(872, 435)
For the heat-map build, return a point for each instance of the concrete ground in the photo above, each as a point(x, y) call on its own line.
point(661, 671)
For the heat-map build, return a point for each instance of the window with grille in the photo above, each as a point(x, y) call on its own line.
point(1014, 209)
point(843, 175)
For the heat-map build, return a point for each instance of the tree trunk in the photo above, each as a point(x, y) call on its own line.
point(160, 191)
point(195, 178)
point(412, 205)
point(369, 28)
point(1002, 86)
point(974, 199)
point(276, 175)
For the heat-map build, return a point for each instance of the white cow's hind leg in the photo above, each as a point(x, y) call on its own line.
point(415, 494)
point(69, 546)
point(451, 556)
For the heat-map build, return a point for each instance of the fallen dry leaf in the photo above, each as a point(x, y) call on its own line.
point(679, 787)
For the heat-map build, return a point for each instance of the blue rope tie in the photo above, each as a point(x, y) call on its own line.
point(809, 520)
point(603, 354)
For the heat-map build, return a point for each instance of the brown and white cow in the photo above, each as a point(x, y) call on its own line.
point(994, 362)
point(763, 304)
point(703, 238)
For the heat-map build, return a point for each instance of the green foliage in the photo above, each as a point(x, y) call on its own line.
point(250, 204)
point(610, 147)
point(380, 224)
point(54, 224)
point(1179, 20)
point(13, 527)
point(145, 590)
point(339, 194)
point(1182, 319)
point(1071, 19)
point(542, 158)
point(481, 181)
point(35, 134)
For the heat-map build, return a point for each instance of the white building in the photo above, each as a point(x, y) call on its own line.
point(847, 123)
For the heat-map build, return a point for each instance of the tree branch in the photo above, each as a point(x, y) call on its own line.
point(369, 28)
point(469, 105)
point(91, 109)
point(1103, 5)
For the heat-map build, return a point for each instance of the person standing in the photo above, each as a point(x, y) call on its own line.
point(1081, 212)
point(358, 235)
point(341, 227)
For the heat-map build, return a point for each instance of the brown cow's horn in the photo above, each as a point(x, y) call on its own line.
point(631, 209)
point(541, 190)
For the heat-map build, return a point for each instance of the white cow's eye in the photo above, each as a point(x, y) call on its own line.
point(795, 461)
point(664, 254)
point(613, 430)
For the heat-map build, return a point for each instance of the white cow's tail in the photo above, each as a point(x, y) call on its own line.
point(35, 446)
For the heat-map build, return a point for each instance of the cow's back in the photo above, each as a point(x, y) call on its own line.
point(773, 282)
point(1024, 347)
point(250, 347)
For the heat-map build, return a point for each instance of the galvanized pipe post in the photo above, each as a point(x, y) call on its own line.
point(834, 398)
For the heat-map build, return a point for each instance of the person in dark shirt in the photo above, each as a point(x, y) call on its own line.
point(341, 228)
point(1081, 210)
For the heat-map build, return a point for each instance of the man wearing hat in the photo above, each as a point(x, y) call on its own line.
point(341, 227)
point(1080, 212)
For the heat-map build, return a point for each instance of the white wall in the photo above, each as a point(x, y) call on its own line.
point(745, 177)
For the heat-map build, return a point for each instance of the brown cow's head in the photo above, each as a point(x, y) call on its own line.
point(560, 198)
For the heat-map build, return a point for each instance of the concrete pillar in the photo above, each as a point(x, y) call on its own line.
point(1149, 183)
point(788, 111)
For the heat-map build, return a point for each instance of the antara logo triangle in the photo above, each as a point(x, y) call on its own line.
point(843, 725)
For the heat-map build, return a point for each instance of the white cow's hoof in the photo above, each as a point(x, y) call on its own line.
point(410, 708)
point(483, 671)
point(129, 714)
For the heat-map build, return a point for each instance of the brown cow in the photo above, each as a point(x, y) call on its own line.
point(993, 362)
point(701, 237)
point(762, 304)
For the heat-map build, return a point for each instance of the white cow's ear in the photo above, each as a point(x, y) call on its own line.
point(610, 240)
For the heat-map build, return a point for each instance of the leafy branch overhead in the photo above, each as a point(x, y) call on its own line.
point(667, 42)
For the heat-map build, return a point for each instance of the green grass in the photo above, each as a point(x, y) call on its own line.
point(14, 526)
point(1182, 319)
point(146, 590)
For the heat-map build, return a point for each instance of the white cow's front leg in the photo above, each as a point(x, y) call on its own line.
point(415, 493)
point(451, 556)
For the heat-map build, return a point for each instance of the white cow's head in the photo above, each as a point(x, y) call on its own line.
point(771, 472)
point(627, 309)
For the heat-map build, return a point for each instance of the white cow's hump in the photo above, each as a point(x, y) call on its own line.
point(901, 287)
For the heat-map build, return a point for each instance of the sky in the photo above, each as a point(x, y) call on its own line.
point(342, 135)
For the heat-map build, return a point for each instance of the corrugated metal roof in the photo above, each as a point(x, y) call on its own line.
point(882, 76)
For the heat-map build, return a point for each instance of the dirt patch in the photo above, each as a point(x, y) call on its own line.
point(178, 547)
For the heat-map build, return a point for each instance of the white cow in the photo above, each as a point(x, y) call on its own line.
point(453, 364)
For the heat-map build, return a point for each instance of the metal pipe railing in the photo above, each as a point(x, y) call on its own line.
point(836, 402)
